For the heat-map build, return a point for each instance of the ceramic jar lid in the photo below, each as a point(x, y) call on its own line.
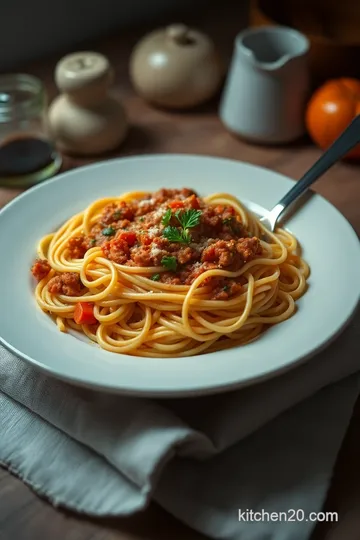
point(78, 72)
point(176, 67)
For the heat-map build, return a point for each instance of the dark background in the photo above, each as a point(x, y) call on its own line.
point(34, 29)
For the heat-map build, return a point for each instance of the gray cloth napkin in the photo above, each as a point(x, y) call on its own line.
point(264, 448)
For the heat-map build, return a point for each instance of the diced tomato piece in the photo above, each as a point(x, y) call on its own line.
point(145, 240)
point(129, 237)
point(209, 254)
point(84, 313)
point(224, 211)
point(176, 204)
point(193, 202)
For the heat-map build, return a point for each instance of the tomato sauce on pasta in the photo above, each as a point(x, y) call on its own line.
point(168, 274)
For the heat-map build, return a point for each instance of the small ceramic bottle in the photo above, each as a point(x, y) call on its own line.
point(176, 67)
point(85, 119)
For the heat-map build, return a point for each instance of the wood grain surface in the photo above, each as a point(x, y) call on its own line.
point(25, 516)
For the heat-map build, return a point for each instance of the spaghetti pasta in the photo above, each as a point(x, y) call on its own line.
point(168, 274)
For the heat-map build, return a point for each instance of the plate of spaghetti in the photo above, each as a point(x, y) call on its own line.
point(172, 287)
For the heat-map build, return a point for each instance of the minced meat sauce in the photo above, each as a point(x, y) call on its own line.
point(172, 229)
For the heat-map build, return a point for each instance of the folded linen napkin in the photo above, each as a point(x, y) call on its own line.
point(264, 448)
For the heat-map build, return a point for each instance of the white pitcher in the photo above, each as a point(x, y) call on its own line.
point(267, 86)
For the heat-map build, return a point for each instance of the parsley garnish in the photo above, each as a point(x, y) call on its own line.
point(170, 263)
point(92, 242)
point(187, 220)
point(155, 277)
point(227, 221)
point(109, 231)
point(226, 288)
point(233, 224)
point(166, 217)
point(142, 219)
point(117, 214)
point(175, 235)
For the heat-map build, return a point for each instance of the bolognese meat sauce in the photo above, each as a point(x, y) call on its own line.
point(172, 229)
point(40, 269)
point(67, 283)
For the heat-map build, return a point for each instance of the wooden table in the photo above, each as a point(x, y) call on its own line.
point(25, 516)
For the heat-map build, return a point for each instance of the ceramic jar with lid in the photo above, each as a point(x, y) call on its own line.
point(86, 119)
point(176, 67)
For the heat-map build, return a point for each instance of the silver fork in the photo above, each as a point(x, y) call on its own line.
point(349, 138)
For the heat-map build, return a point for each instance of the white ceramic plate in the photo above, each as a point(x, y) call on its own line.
point(330, 246)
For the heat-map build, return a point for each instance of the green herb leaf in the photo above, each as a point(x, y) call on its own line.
point(92, 242)
point(166, 217)
point(186, 236)
point(142, 219)
point(117, 214)
point(109, 231)
point(226, 288)
point(175, 235)
point(172, 234)
point(170, 263)
point(189, 218)
point(155, 277)
point(227, 221)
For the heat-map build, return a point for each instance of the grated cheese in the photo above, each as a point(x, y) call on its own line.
point(146, 201)
point(158, 213)
point(199, 247)
point(153, 231)
point(155, 251)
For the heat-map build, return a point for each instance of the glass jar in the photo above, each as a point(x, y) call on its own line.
point(27, 154)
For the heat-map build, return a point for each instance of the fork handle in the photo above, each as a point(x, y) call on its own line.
point(349, 138)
